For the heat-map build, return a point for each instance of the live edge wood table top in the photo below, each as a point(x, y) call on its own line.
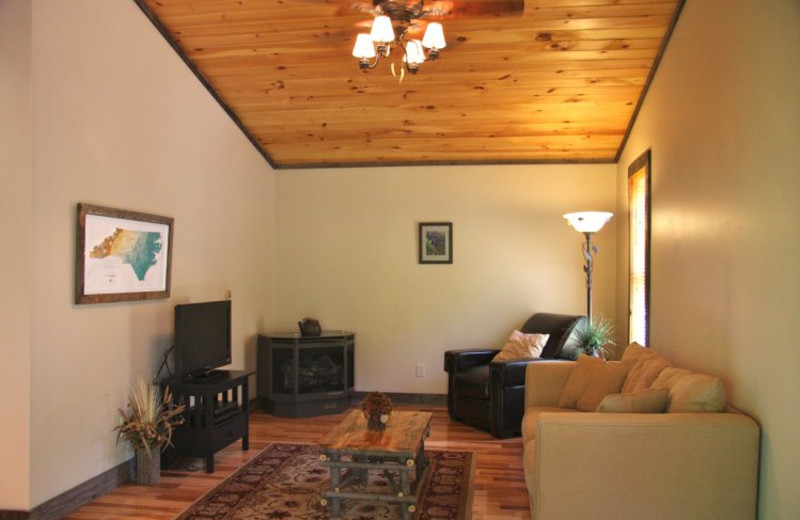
point(398, 451)
point(403, 435)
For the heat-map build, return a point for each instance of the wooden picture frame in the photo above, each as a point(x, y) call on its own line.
point(435, 242)
point(121, 255)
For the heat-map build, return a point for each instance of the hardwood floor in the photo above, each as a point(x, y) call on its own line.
point(499, 485)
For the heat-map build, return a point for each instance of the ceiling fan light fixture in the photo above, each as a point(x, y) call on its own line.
point(414, 53)
point(394, 29)
point(434, 37)
point(364, 49)
point(382, 30)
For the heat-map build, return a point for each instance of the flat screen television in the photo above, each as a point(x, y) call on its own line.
point(202, 338)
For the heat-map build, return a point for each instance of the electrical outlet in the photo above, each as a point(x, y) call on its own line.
point(419, 370)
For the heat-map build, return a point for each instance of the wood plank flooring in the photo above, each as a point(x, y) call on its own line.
point(499, 484)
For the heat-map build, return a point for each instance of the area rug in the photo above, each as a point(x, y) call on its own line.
point(285, 480)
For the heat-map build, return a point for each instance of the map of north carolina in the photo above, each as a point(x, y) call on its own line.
point(137, 248)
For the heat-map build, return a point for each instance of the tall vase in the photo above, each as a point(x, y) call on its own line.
point(148, 466)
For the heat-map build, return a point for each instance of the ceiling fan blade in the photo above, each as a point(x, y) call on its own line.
point(416, 29)
point(366, 25)
point(466, 8)
point(349, 8)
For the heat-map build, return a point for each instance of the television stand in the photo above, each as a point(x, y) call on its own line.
point(205, 376)
point(216, 413)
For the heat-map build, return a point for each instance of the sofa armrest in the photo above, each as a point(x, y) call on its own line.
point(544, 382)
point(458, 360)
point(654, 466)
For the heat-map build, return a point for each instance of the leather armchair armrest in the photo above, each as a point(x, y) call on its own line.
point(458, 360)
point(510, 373)
point(507, 396)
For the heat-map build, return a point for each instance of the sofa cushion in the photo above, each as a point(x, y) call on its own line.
point(522, 346)
point(691, 392)
point(644, 366)
point(530, 421)
point(473, 382)
point(590, 381)
point(652, 400)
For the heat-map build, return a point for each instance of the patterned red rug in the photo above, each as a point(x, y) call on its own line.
point(284, 482)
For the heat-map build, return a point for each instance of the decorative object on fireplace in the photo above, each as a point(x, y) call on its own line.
point(309, 327)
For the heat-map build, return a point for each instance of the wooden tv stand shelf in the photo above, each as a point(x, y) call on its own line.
point(216, 413)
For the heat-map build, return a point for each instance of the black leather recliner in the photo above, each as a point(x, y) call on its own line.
point(491, 395)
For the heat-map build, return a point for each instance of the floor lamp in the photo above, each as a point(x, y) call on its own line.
point(588, 223)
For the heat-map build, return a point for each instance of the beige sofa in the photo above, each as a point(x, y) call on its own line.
point(696, 460)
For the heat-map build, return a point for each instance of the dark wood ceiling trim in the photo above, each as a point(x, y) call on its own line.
point(165, 33)
point(499, 162)
point(650, 76)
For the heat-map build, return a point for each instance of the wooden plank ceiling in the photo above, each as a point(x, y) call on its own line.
point(559, 82)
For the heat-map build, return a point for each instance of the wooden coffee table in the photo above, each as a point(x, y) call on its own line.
point(351, 450)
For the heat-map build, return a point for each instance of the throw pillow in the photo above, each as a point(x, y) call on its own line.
point(644, 366)
point(692, 392)
point(522, 346)
point(590, 381)
point(652, 400)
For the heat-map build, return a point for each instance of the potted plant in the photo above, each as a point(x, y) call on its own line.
point(148, 427)
point(593, 335)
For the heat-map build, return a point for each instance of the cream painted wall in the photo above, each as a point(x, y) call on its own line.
point(723, 121)
point(119, 120)
point(15, 273)
point(346, 254)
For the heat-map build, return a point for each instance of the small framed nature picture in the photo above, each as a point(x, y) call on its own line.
point(436, 242)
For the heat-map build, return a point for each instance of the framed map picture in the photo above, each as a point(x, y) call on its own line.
point(436, 242)
point(122, 255)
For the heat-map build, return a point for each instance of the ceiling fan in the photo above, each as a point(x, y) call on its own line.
point(398, 23)
point(400, 9)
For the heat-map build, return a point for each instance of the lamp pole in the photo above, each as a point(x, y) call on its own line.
point(587, 268)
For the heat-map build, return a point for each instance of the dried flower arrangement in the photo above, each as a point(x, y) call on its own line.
point(376, 407)
point(151, 419)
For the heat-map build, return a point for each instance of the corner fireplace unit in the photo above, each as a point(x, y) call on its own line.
point(303, 376)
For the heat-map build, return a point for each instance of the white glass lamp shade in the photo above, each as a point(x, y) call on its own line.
point(414, 54)
point(382, 31)
point(364, 49)
point(588, 221)
point(434, 36)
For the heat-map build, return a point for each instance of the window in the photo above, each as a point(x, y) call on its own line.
point(639, 244)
